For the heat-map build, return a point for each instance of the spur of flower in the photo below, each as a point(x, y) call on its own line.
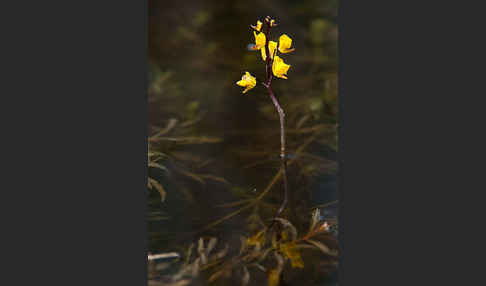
point(258, 26)
point(248, 81)
point(280, 68)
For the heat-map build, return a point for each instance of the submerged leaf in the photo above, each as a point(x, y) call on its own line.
point(158, 187)
point(193, 176)
point(215, 178)
point(264, 254)
point(304, 246)
point(259, 266)
point(280, 261)
point(211, 244)
point(246, 277)
point(171, 124)
point(291, 252)
point(257, 239)
point(196, 267)
point(273, 277)
point(244, 244)
point(200, 245)
point(233, 204)
point(216, 275)
point(188, 254)
point(288, 225)
point(315, 218)
point(157, 165)
point(186, 156)
point(301, 121)
point(182, 282)
point(322, 247)
point(189, 140)
point(201, 251)
point(221, 253)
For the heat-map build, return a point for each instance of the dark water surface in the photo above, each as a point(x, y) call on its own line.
point(222, 146)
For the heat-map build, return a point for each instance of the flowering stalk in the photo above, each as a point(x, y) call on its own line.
point(275, 66)
point(281, 114)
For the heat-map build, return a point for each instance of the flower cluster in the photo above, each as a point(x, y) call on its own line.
point(278, 66)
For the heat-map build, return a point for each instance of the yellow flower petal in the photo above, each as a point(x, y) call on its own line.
point(248, 81)
point(260, 40)
point(280, 68)
point(284, 44)
point(271, 46)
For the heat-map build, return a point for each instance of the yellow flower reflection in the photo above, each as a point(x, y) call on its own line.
point(271, 46)
point(247, 81)
point(284, 44)
point(280, 68)
point(273, 277)
point(290, 251)
point(258, 238)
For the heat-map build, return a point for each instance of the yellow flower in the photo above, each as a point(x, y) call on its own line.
point(258, 26)
point(260, 40)
point(271, 46)
point(284, 44)
point(280, 68)
point(248, 81)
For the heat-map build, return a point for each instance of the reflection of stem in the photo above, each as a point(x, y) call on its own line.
point(268, 188)
point(283, 158)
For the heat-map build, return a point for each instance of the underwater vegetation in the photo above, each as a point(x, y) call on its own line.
point(275, 66)
point(236, 182)
point(265, 252)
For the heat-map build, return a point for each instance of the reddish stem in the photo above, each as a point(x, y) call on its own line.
point(268, 85)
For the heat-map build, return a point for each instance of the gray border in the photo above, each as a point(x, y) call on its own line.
point(76, 74)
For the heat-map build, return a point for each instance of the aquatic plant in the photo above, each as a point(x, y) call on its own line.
point(164, 143)
point(153, 162)
point(265, 251)
point(275, 66)
point(255, 251)
point(269, 254)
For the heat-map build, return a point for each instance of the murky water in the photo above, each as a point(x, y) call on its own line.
point(217, 146)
